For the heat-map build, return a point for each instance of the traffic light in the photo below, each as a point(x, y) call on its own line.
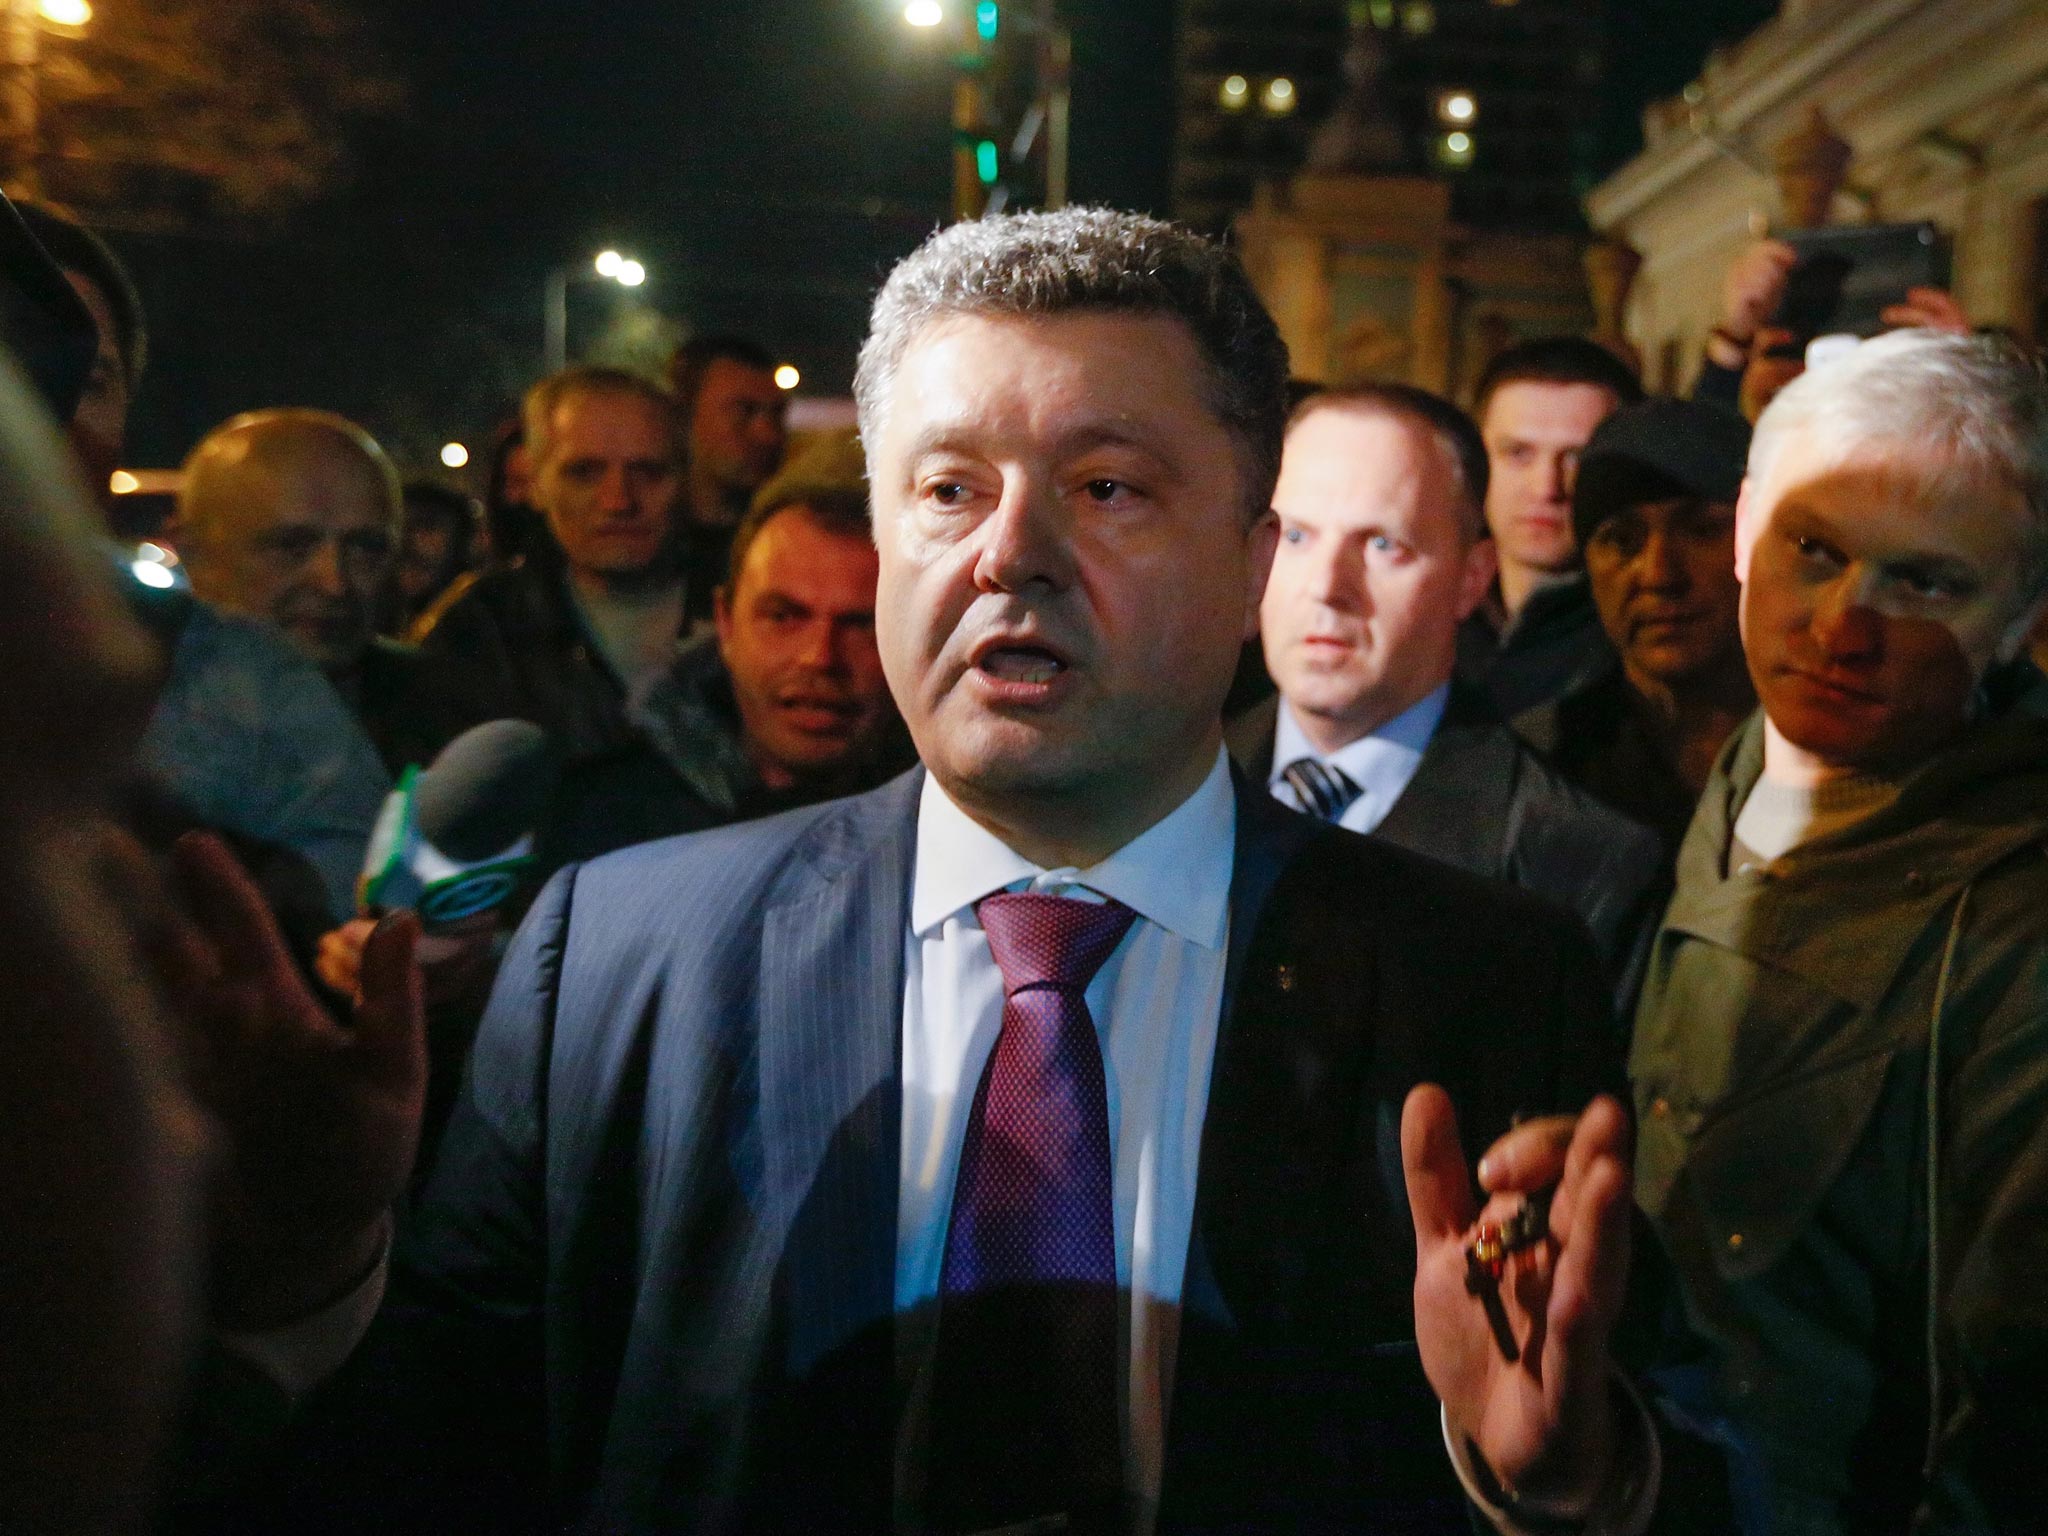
point(987, 162)
point(987, 17)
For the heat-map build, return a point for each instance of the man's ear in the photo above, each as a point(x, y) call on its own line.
point(1746, 529)
point(1482, 564)
point(1262, 540)
point(721, 616)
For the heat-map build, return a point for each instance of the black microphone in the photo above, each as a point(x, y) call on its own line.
point(454, 840)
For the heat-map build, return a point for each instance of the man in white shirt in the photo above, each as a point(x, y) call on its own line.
point(1383, 554)
point(1014, 1147)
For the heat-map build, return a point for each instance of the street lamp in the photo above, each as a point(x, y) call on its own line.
point(1459, 109)
point(24, 22)
point(608, 266)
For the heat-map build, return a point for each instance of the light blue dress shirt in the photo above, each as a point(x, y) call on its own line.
point(1156, 1003)
point(1380, 763)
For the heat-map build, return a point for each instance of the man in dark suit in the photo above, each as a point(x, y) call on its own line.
point(1383, 554)
point(1024, 1145)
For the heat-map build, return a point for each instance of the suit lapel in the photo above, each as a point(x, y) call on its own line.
point(831, 1010)
point(1250, 737)
point(1455, 809)
point(1276, 1050)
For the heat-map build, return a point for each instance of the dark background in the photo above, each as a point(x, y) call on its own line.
point(767, 161)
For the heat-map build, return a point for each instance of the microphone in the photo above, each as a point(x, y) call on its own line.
point(453, 841)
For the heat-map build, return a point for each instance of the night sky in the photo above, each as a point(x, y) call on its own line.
point(766, 160)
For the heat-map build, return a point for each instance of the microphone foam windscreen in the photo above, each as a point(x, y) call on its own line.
point(487, 790)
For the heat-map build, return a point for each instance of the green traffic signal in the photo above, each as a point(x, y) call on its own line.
point(986, 162)
point(987, 17)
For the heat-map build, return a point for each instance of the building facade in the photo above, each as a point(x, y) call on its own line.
point(1942, 108)
point(1256, 78)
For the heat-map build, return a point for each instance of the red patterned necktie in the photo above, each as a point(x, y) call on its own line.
point(1024, 1413)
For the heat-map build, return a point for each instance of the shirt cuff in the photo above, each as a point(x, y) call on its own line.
point(299, 1356)
point(1624, 1506)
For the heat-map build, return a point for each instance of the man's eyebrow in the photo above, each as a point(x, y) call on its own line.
point(1932, 563)
point(943, 437)
point(1092, 435)
point(1937, 562)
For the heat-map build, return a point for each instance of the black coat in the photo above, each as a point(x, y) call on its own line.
point(1483, 801)
point(1553, 646)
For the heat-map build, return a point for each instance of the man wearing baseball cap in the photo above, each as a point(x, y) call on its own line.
point(1654, 511)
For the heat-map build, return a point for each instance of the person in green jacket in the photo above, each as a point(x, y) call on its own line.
point(1840, 1065)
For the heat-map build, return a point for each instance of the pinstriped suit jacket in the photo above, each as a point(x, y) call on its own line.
point(650, 1287)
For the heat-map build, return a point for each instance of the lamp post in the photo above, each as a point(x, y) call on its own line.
point(976, 158)
point(608, 266)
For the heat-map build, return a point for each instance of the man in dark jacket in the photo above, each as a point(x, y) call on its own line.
point(1381, 555)
point(593, 616)
point(1655, 512)
point(1535, 635)
point(784, 705)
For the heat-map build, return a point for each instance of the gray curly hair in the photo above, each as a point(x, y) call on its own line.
point(1029, 265)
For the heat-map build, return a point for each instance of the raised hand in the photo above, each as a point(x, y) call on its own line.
point(458, 961)
point(1754, 287)
point(319, 1122)
point(1933, 309)
point(1542, 1422)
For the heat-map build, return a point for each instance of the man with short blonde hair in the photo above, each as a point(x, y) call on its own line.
point(592, 618)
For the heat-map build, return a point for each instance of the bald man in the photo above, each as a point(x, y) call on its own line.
point(290, 516)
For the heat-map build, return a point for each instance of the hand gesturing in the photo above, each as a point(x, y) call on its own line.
point(319, 1122)
point(1542, 1422)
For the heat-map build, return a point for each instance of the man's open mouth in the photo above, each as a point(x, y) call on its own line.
point(1021, 662)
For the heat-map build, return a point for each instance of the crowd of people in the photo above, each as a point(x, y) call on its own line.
point(1566, 1047)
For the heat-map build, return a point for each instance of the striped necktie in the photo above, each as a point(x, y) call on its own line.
point(1320, 789)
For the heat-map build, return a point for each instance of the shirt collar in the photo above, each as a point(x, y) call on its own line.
point(1175, 874)
point(1403, 738)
